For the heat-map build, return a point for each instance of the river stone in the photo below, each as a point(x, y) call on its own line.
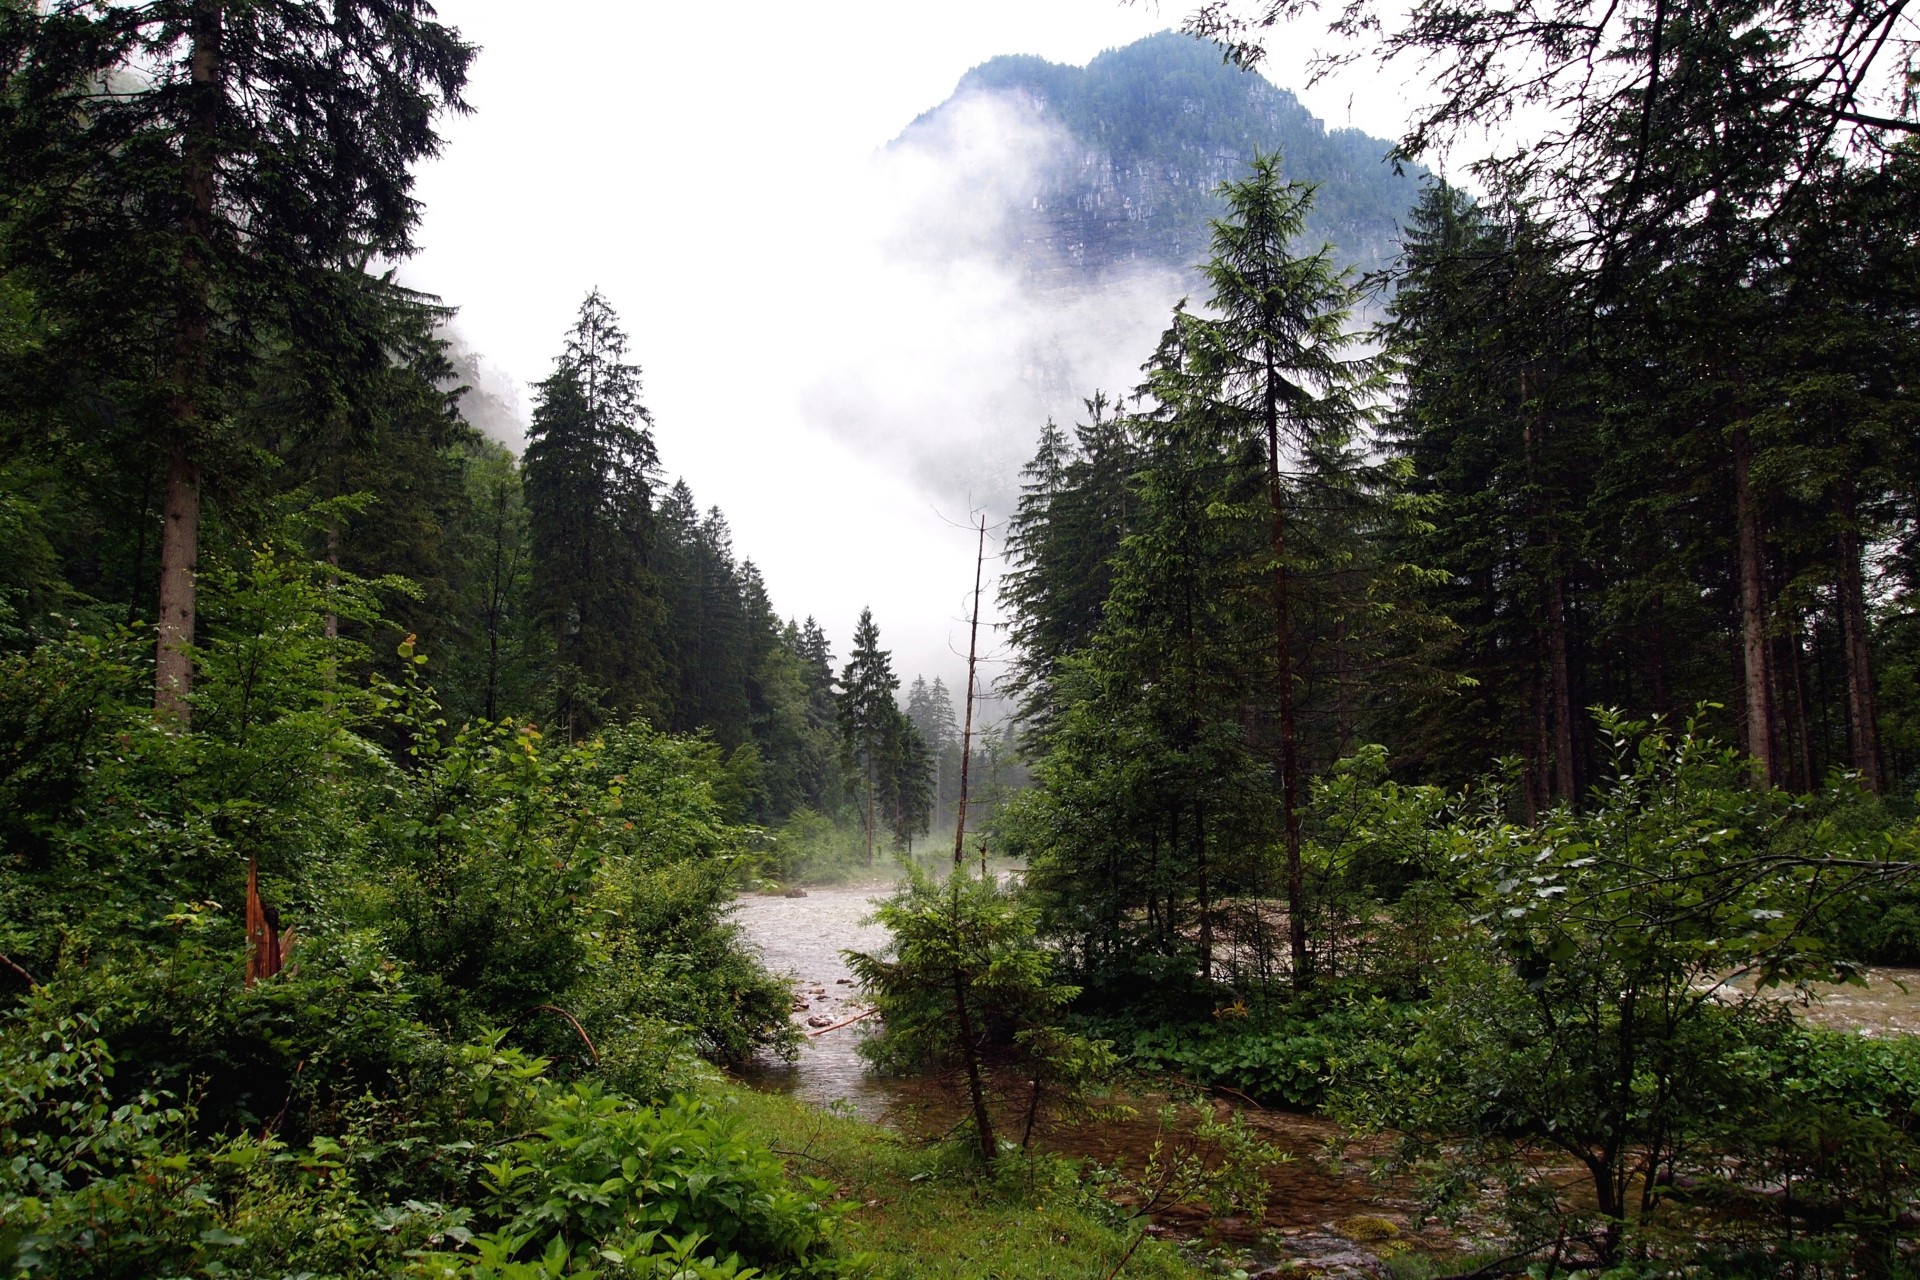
point(1326, 1257)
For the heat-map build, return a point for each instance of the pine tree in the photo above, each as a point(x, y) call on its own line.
point(173, 235)
point(1277, 363)
point(907, 782)
point(930, 707)
point(589, 463)
point(867, 717)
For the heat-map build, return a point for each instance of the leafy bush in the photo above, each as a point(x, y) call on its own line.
point(534, 1174)
point(1588, 1013)
point(168, 1110)
point(964, 982)
point(1282, 1058)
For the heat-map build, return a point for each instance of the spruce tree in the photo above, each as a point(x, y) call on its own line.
point(867, 717)
point(1277, 362)
point(589, 463)
point(189, 183)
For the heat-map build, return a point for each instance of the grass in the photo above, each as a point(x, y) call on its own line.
point(923, 1213)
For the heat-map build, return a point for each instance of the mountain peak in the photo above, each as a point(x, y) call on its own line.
point(1150, 132)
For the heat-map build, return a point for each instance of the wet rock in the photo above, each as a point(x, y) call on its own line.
point(819, 1020)
point(794, 893)
point(1326, 1257)
point(843, 982)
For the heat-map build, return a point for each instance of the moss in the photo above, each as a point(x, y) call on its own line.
point(1367, 1228)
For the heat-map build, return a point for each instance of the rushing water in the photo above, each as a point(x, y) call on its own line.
point(1889, 1004)
point(802, 938)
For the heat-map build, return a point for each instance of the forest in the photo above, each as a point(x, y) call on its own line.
point(1467, 713)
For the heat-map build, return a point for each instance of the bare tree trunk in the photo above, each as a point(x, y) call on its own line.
point(1342, 691)
point(1205, 891)
point(1755, 675)
point(1565, 784)
point(180, 534)
point(1283, 674)
point(1540, 785)
point(1863, 729)
point(970, 1054)
point(966, 734)
point(1789, 653)
point(179, 549)
point(867, 816)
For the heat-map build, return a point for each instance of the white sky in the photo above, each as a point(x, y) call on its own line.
point(713, 172)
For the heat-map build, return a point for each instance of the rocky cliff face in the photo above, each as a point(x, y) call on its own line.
point(1142, 138)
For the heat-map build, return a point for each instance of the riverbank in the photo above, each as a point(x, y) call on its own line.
point(923, 1212)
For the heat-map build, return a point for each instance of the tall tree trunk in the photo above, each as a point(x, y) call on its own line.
point(970, 1055)
point(1565, 784)
point(1540, 788)
point(1789, 654)
point(966, 735)
point(1205, 891)
point(1863, 728)
point(1283, 674)
point(1342, 691)
point(180, 534)
point(1756, 677)
point(872, 785)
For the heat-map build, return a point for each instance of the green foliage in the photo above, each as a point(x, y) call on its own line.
point(1592, 1010)
point(163, 1114)
point(964, 983)
point(674, 1190)
point(589, 464)
point(1282, 1057)
point(541, 1179)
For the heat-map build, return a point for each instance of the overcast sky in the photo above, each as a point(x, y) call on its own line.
point(716, 172)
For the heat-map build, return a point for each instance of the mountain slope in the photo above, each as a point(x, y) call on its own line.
point(1150, 131)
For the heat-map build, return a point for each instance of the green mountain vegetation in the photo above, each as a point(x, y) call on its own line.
point(1151, 131)
point(1487, 728)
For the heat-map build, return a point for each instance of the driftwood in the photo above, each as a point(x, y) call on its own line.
point(865, 1013)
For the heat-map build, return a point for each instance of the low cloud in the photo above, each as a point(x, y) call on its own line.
point(943, 351)
point(492, 402)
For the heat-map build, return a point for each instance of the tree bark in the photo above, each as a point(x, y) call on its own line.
point(180, 534)
point(1205, 892)
point(1790, 659)
point(970, 1055)
point(179, 550)
point(1756, 677)
point(1565, 784)
point(1283, 674)
point(1863, 728)
point(1540, 786)
point(966, 734)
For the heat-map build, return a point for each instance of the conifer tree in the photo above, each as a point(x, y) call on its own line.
point(867, 717)
point(1277, 363)
point(589, 463)
point(189, 181)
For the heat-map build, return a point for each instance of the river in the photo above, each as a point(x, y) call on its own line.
point(1325, 1209)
